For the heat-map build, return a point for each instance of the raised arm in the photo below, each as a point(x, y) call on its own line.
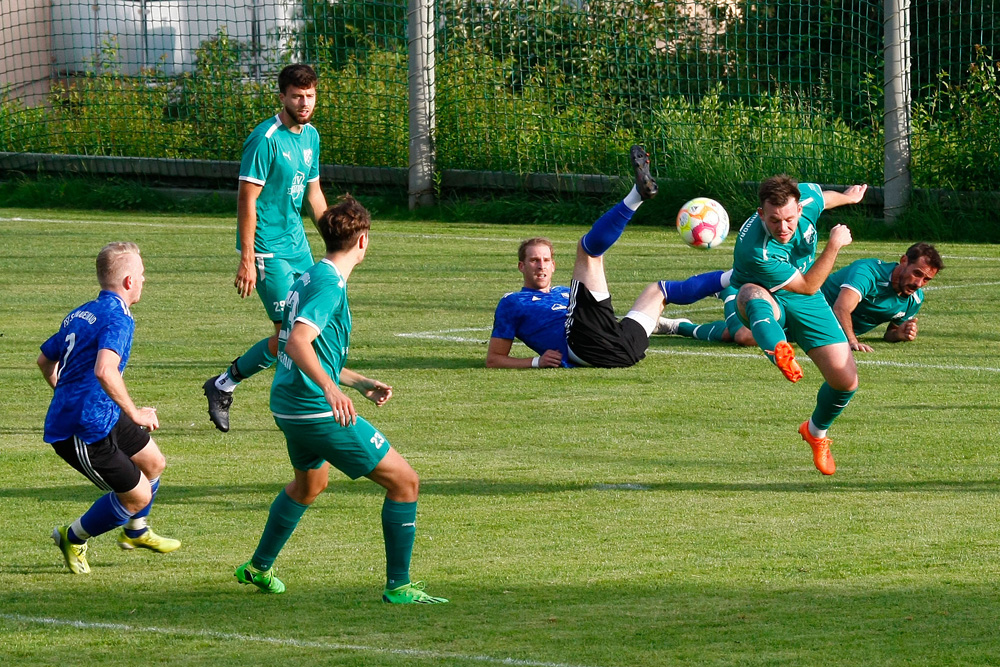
point(812, 280)
point(852, 195)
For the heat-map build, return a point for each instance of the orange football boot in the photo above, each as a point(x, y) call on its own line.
point(784, 359)
point(822, 457)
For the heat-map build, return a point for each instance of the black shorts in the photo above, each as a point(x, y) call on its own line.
point(108, 462)
point(596, 337)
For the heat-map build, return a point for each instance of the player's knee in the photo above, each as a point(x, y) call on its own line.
point(406, 486)
point(137, 498)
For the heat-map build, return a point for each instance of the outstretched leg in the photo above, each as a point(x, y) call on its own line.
point(761, 313)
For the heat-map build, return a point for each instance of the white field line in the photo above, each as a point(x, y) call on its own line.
point(448, 335)
point(410, 235)
point(282, 641)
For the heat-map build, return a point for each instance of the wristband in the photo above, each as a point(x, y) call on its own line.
point(534, 361)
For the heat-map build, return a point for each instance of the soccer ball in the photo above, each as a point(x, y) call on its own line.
point(703, 223)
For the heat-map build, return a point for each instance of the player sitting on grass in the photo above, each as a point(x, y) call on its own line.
point(320, 424)
point(863, 295)
point(92, 422)
point(779, 276)
point(576, 325)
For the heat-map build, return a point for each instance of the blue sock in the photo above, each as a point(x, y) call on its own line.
point(141, 528)
point(606, 230)
point(693, 289)
point(106, 514)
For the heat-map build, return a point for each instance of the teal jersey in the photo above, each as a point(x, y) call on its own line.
point(759, 259)
point(318, 299)
point(282, 162)
point(871, 279)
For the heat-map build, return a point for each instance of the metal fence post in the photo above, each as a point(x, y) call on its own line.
point(420, 35)
point(898, 181)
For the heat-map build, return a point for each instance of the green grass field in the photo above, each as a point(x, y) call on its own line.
point(659, 515)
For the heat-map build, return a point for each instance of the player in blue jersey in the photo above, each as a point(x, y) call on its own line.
point(779, 276)
point(279, 171)
point(319, 421)
point(863, 295)
point(576, 325)
point(92, 422)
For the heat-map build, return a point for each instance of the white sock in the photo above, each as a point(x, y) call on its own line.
point(225, 383)
point(816, 432)
point(633, 199)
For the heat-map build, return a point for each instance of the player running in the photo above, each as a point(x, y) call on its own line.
point(778, 275)
point(280, 169)
point(92, 422)
point(576, 325)
point(319, 421)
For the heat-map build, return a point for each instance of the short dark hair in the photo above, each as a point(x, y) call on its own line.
point(927, 251)
point(522, 250)
point(343, 223)
point(777, 190)
point(299, 75)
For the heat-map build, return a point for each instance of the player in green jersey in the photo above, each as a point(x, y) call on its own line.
point(779, 277)
point(319, 421)
point(865, 294)
point(870, 292)
point(279, 171)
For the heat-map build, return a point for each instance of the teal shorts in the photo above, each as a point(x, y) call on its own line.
point(279, 274)
point(354, 450)
point(807, 320)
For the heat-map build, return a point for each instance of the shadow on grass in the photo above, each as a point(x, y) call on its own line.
point(589, 623)
point(182, 494)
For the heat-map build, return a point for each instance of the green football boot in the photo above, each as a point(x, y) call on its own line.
point(262, 579)
point(148, 540)
point(75, 554)
point(412, 593)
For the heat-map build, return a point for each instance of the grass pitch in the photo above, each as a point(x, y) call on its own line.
point(663, 514)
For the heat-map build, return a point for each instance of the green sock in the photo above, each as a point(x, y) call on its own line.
point(281, 522)
point(764, 327)
point(399, 528)
point(712, 331)
point(830, 403)
point(255, 360)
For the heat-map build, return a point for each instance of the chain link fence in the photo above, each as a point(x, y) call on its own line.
point(510, 93)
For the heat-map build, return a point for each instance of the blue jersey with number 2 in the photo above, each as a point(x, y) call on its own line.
point(80, 407)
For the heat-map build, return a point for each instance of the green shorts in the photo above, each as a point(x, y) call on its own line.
point(807, 320)
point(353, 450)
point(279, 274)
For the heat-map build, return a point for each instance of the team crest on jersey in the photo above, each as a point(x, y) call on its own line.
point(307, 156)
point(810, 234)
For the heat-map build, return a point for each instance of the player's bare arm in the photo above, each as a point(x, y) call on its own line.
point(107, 373)
point(299, 348)
point(246, 219)
point(377, 392)
point(852, 195)
point(812, 280)
point(903, 333)
point(50, 370)
point(316, 200)
point(498, 356)
point(843, 307)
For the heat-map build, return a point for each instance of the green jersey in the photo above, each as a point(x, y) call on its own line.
point(283, 163)
point(871, 279)
point(758, 258)
point(318, 299)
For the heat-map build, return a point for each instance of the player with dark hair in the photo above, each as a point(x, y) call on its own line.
point(279, 171)
point(863, 295)
point(319, 421)
point(576, 325)
point(779, 276)
point(92, 422)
